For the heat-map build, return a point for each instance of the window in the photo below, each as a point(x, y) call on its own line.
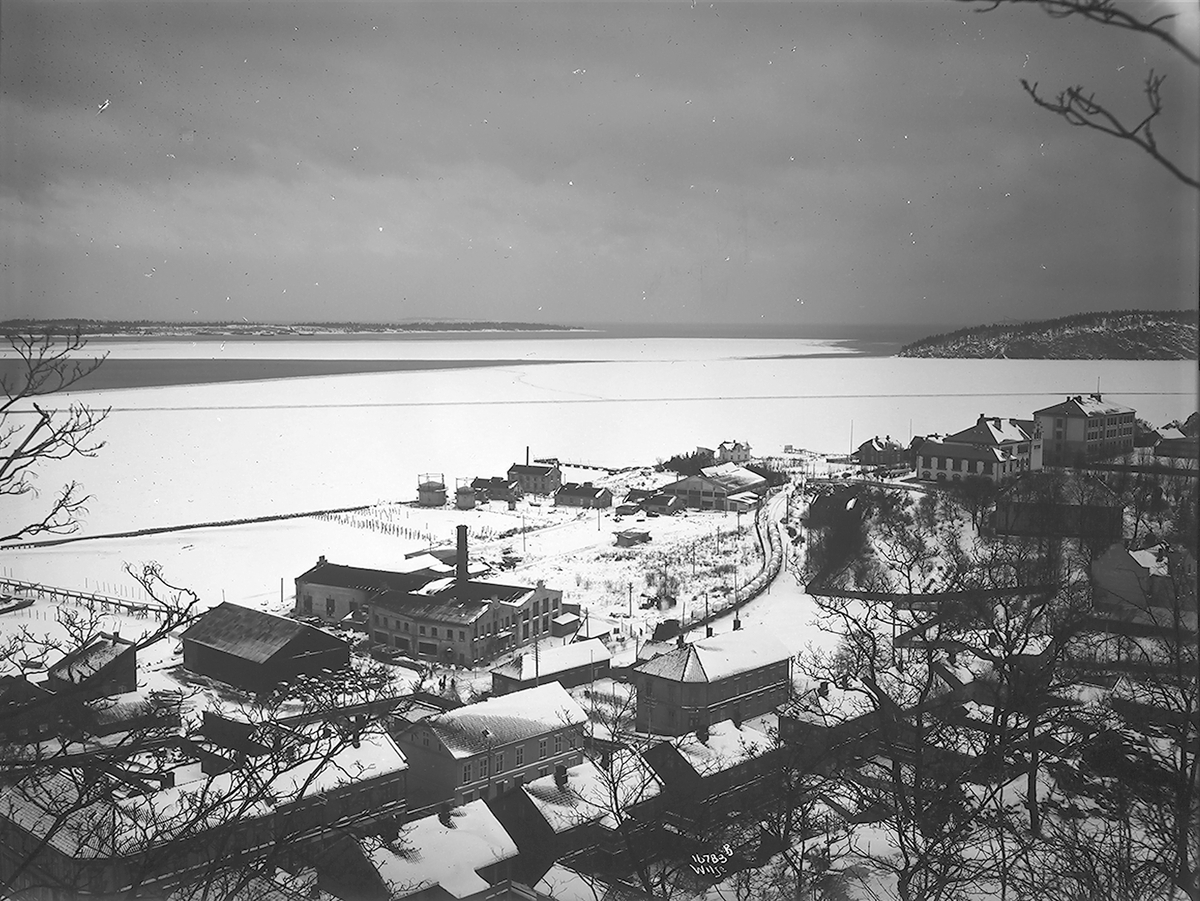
point(422, 630)
point(941, 462)
point(541, 748)
point(467, 771)
point(462, 636)
point(427, 647)
point(500, 762)
point(406, 627)
point(520, 755)
point(376, 619)
point(330, 607)
point(558, 744)
point(543, 772)
point(483, 767)
point(308, 603)
point(433, 631)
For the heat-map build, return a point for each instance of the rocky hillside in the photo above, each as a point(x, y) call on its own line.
point(1120, 335)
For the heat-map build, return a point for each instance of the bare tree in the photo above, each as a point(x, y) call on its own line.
point(1078, 106)
point(32, 435)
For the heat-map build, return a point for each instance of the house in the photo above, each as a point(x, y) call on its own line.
point(877, 452)
point(1135, 595)
point(106, 665)
point(463, 620)
point(578, 808)
point(333, 592)
point(713, 772)
point(712, 489)
point(734, 675)
point(569, 665)
point(574, 494)
point(1060, 505)
point(459, 854)
point(484, 749)
point(1019, 439)
point(732, 452)
point(91, 827)
point(497, 488)
point(536, 478)
point(1083, 429)
point(662, 504)
point(30, 713)
point(1176, 444)
point(256, 650)
point(946, 461)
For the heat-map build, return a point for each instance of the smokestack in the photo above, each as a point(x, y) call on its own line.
point(461, 559)
point(526, 454)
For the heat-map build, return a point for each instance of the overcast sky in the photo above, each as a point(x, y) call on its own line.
point(815, 162)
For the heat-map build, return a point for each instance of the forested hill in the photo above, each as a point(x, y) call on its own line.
point(1119, 335)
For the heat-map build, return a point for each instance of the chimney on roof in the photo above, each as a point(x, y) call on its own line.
point(321, 560)
point(823, 689)
point(702, 733)
point(461, 558)
point(708, 631)
point(560, 775)
point(679, 640)
point(526, 454)
point(737, 623)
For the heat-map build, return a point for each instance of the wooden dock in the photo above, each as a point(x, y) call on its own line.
point(55, 595)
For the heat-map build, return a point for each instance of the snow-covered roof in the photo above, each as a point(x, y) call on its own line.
point(554, 660)
point(727, 746)
point(564, 884)
point(592, 794)
point(733, 478)
point(1079, 405)
point(479, 727)
point(1152, 559)
point(718, 657)
point(961, 450)
point(993, 432)
point(431, 853)
point(90, 659)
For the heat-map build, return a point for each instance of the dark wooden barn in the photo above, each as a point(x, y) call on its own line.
point(256, 650)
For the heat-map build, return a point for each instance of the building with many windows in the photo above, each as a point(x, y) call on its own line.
point(724, 487)
point(484, 749)
point(463, 620)
point(723, 677)
point(1085, 428)
point(536, 478)
point(993, 448)
point(332, 591)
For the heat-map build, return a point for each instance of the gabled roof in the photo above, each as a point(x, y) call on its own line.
point(592, 795)
point(992, 432)
point(432, 853)
point(581, 490)
point(444, 609)
point(85, 662)
point(733, 478)
point(1079, 405)
point(727, 746)
point(554, 660)
point(499, 721)
point(718, 657)
point(962, 451)
point(249, 634)
point(363, 579)
point(533, 469)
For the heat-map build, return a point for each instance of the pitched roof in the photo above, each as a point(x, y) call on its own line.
point(532, 469)
point(246, 633)
point(962, 451)
point(85, 662)
point(1079, 405)
point(554, 660)
point(583, 490)
point(443, 608)
point(433, 853)
point(498, 721)
point(726, 747)
point(363, 579)
point(718, 657)
point(594, 795)
point(992, 432)
point(733, 478)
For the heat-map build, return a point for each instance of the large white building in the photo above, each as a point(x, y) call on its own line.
point(1081, 429)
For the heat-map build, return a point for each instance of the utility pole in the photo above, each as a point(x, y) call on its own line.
point(631, 600)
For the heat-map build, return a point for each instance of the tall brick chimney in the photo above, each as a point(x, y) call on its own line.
point(460, 559)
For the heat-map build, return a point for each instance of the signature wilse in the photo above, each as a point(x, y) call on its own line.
point(712, 863)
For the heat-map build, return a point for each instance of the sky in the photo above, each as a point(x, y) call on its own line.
point(791, 164)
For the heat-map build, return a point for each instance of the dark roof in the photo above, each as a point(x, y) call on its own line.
point(586, 489)
point(249, 634)
point(636, 495)
point(334, 574)
point(532, 469)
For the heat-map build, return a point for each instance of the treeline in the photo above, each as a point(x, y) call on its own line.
point(1119, 334)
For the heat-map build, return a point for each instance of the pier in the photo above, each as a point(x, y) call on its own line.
point(104, 602)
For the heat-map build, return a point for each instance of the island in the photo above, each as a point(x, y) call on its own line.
point(1117, 335)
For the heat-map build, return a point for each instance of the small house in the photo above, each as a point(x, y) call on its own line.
point(569, 665)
